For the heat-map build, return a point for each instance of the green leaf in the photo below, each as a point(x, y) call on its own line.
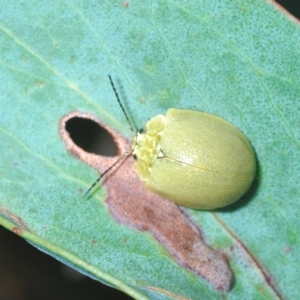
point(238, 60)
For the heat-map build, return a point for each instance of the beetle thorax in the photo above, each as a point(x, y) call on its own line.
point(146, 146)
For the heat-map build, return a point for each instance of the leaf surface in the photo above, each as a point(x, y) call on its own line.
point(235, 59)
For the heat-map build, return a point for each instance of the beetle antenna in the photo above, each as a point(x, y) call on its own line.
point(105, 172)
point(121, 105)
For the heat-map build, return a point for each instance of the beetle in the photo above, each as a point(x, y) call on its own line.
point(192, 158)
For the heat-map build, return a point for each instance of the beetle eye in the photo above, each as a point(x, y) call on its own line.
point(141, 131)
point(134, 156)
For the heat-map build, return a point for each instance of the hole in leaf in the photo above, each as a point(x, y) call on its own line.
point(91, 137)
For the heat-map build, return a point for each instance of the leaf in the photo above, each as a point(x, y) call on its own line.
point(238, 60)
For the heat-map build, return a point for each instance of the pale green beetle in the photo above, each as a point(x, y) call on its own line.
point(194, 159)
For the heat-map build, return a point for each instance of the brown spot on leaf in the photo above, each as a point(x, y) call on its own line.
point(15, 219)
point(16, 230)
point(130, 203)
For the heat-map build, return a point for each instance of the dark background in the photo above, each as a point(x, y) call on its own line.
point(28, 274)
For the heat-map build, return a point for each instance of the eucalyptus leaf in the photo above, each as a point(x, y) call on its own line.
point(238, 60)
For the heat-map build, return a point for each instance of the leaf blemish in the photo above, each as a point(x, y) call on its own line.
point(130, 203)
point(16, 230)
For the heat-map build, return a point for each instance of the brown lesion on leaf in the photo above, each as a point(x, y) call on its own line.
point(13, 218)
point(130, 203)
